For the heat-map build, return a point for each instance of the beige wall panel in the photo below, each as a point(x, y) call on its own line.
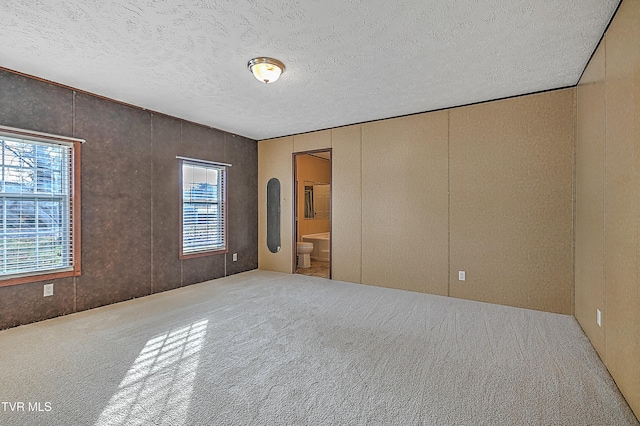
point(405, 203)
point(312, 141)
point(589, 231)
point(511, 168)
point(346, 208)
point(622, 205)
point(275, 160)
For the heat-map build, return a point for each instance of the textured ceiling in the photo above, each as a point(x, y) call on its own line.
point(347, 61)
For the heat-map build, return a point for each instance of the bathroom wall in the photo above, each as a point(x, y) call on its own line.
point(608, 200)
point(346, 204)
point(487, 189)
point(275, 161)
point(130, 198)
point(312, 169)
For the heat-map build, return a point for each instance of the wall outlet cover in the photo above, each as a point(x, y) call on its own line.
point(48, 290)
point(462, 275)
point(599, 317)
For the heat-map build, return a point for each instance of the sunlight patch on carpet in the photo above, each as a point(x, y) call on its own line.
point(158, 386)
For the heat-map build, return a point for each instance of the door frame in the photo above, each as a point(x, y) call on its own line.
point(295, 195)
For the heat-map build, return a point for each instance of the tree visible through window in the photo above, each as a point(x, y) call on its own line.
point(36, 192)
point(203, 208)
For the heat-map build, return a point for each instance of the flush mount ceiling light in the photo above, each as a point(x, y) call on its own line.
point(266, 70)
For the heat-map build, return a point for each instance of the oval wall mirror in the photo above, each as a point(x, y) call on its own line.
point(273, 215)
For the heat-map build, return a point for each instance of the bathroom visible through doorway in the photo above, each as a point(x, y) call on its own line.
point(312, 213)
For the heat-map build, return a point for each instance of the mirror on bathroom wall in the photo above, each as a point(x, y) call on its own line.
point(317, 200)
point(273, 215)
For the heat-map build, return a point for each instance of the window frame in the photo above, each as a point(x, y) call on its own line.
point(75, 226)
point(223, 169)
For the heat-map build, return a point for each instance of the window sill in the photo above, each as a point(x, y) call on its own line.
point(35, 278)
point(202, 254)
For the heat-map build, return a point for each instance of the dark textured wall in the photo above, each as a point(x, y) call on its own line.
point(130, 199)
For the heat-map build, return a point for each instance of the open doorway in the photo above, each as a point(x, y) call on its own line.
point(312, 213)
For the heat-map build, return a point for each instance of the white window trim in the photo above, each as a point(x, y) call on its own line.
point(222, 169)
point(73, 207)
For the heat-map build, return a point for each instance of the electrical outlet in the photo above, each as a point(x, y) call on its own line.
point(235, 257)
point(462, 275)
point(48, 290)
point(599, 317)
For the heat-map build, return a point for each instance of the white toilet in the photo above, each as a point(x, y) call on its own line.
point(304, 254)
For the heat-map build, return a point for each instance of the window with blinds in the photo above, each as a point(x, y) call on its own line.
point(204, 227)
point(38, 212)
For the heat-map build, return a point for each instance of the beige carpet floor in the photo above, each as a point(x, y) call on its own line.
point(269, 348)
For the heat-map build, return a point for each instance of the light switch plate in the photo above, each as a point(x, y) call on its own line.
point(462, 275)
point(599, 317)
point(235, 257)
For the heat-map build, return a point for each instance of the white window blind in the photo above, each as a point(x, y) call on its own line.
point(36, 192)
point(203, 207)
